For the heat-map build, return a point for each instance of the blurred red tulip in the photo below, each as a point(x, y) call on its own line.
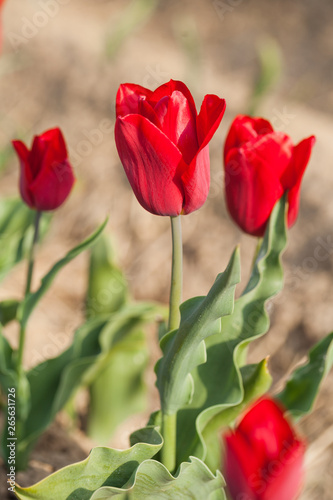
point(46, 176)
point(263, 456)
point(260, 166)
point(163, 145)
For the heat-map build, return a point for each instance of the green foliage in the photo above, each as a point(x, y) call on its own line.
point(107, 286)
point(103, 467)
point(116, 385)
point(16, 232)
point(303, 385)
point(184, 349)
point(219, 382)
point(8, 311)
point(32, 299)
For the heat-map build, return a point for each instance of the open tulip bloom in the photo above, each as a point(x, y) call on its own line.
point(163, 145)
point(203, 378)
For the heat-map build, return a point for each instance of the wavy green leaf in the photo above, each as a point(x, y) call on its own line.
point(153, 481)
point(218, 383)
point(103, 467)
point(184, 349)
point(32, 299)
point(303, 384)
point(16, 232)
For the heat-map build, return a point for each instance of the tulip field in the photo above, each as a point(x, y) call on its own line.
point(166, 250)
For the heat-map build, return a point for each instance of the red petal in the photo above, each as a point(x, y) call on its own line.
point(245, 128)
point(293, 176)
point(128, 97)
point(209, 118)
point(241, 468)
point(251, 189)
point(196, 180)
point(266, 429)
point(53, 185)
point(54, 180)
point(178, 123)
point(25, 174)
point(168, 88)
point(285, 475)
point(151, 162)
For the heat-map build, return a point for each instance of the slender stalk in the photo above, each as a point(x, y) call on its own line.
point(176, 274)
point(169, 422)
point(169, 430)
point(31, 262)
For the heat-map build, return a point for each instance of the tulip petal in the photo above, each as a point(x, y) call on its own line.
point(285, 475)
point(251, 189)
point(168, 88)
point(241, 468)
point(151, 162)
point(293, 176)
point(178, 123)
point(25, 174)
point(53, 185)
point(196, 181)
point(209, 118)
point(245, 128)
point(128, 97)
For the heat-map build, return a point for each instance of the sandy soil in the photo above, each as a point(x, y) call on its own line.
point(61, 74)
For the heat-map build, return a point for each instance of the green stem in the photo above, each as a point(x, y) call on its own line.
point(31, 262)
point(169, 430)
point(257, 250)
point(176, 275)
point(169, 422)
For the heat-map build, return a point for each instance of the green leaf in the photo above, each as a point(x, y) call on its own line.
point(184, 349)
point(107, 287)
point(16, 232)
point(53, 382)
point(218, 383)
point(116, 383)
point(153, 481)
point(303, 385)
point(8, 311)
point(256, 381)
point(119, 390)
point(32, 299)
point(103, 467)
point(8, 377)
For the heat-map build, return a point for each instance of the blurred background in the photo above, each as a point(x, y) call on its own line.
point(61, 65)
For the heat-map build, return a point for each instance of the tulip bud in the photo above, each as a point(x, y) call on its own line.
point(46, 176)
point(264, 459)
point(260, 166)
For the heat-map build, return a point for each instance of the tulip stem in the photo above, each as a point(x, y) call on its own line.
point(31, 261)
point(169, 430)
point(169, 422)
point(176, 274)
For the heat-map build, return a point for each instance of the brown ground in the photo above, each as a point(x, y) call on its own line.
point(63, 76)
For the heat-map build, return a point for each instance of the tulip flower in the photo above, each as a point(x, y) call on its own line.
point(163, 145)
point(263, 456)
point(46, 176)
point(260, 166)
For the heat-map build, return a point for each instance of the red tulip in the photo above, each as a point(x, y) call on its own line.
point(260, 166)
point(46, 176)
point(163, 145)
point(263, 456)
